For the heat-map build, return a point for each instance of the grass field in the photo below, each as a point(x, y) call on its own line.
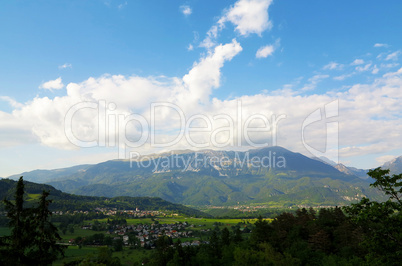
point(195, 221)
point(74, 252)
point(33, 197)
point(77, 232)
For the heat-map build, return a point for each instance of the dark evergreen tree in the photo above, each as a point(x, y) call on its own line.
point(215, 247)
point(20, 239)
point(33, 238)
point(225, 236)
point(261, 232)
point(237, 235)
point(45, 248)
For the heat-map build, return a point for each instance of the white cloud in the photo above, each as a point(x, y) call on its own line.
point(186, 10)
point(11, 101)
point(56, 84)
point(380, 45)
point(248, 17)
point(205, 75)
point(190, 47)
point(333, 66)
point(386, 158)
point(369, 114)
point(363, 68)
point(267, 50)
point(344, 76)
point(353, 150)
point(45, 116)
point(393, 56)
point(360, 132)
point(66, 65)
point(390, 65)
point(375, 70)
point(313, 81)
point(357, 62)
point(14, 132)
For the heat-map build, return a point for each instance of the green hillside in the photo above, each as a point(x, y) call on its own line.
point(273, 176)
point(69, 202)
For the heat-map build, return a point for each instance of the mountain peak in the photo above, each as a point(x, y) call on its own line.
point(395, 165)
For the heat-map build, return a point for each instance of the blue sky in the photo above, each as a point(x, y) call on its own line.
point(55, 54)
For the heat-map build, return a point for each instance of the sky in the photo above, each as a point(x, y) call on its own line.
point(83, 82)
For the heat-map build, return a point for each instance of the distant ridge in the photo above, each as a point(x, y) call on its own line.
point(395, 165)
point(69, 202)
point(272, 175)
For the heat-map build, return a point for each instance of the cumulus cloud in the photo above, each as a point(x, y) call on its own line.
point(46, 117)
point(190, 47)
point(360, 132)
point(186, 10)
point(367, 111)
point(13, 132)
point(205, 75)
point(56, 84)
point(248, 17)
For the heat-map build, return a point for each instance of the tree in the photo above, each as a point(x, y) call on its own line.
point(381, 221)
point(237, 235)
point(33, 237)
point(118, 244)
point(225, 236)
point(215, 247)
point(261, 232)
point(17, 243)
point(45, 248)
point(164, 251)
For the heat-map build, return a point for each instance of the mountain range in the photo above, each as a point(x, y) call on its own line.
point(272, 176)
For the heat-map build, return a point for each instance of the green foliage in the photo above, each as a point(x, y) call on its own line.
point(381, 221)
point(45, 249)
point(33, 237)
point(264, 255)
point(18, 242)
point(118, 244)
point(261, 232)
